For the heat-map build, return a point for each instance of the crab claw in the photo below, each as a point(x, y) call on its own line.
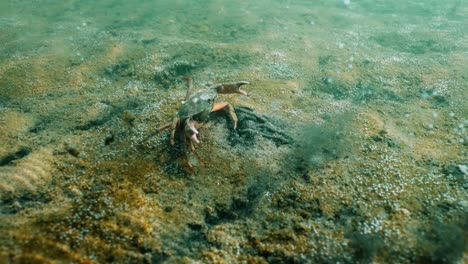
point(229, 88)
point(193, 134)
point(194, 138)
point(191, 131)
point(239, 84)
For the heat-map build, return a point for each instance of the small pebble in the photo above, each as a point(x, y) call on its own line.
point(134, 90)
point(109, 139)
point(72, 149)
point(463, 169)
point(406, 212)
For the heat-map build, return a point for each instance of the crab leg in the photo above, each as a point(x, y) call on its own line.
point(159, 129)
point(174, 124)
point(189, 86)
point(189, 146)
point(195, 154)
point(232, 113)
point(187, 161)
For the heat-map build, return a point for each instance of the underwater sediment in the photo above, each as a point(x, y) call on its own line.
point(351, 146)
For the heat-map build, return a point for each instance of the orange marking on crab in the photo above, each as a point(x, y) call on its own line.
point(219, 106)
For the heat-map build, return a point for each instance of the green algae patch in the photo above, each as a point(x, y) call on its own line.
point(415, 46)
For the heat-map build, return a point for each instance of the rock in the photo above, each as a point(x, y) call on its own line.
point(72, 149)
point(458, 172)
point(463, 169)
point(405, 212)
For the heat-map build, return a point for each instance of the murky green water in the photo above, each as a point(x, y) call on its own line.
point(351, 145)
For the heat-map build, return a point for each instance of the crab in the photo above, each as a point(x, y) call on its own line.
point(195, 110)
